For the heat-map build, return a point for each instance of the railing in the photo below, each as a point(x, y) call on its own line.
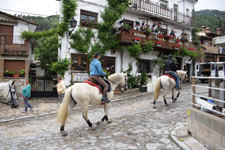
point(129, 36)
point(211, 49)
point(13, 40)
point(197, 98)
point(160, 11)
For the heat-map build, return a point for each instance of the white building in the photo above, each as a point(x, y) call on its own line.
point(171, 14)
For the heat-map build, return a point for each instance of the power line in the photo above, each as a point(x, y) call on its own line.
point(24, 12)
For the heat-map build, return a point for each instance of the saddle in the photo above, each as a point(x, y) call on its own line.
point(92, 82)
point(170, 76)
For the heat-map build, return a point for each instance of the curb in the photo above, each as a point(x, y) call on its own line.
point(45, 114)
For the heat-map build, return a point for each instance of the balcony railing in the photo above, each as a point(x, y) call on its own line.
point(13, 46)
point(129, 37)
point(159, 11)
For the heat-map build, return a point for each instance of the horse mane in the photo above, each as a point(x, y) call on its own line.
point(116, 77)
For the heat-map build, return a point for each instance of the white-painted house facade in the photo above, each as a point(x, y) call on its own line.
point(171, 14)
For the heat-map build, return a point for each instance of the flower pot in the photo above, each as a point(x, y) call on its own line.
point(10, 75)
point(22, 75)
point(176, 48)
point(15, 76)
point(5, 74)
point(136, 41)
point(159, 45)
point(143, 88)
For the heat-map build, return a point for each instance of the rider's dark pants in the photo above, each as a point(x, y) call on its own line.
point(102, 83)
point(177, 79)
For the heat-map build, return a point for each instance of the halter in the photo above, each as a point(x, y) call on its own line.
point(121, 86)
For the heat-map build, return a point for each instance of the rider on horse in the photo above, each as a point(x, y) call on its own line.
point(96, 71)
point(170, 68)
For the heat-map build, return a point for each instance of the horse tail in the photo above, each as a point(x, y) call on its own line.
point(63, 109)
point(157, 88)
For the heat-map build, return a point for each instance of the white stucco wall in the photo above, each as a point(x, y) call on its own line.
point(65, 49)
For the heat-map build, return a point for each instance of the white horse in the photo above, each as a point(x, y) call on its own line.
point(8, 93)
point(167, 84)
point(83, 94)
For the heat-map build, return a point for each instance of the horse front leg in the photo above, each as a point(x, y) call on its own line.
point(85, 116)
point(178, 94)
point(105, 117)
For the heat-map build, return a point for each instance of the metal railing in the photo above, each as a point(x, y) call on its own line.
point(156, 9)
point(208, 95)
point(13, 40)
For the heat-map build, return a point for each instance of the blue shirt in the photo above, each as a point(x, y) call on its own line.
point(96, 68)
point(27, 91)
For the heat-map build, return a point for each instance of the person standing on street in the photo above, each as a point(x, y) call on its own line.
point(61, 88)
point(26, 96)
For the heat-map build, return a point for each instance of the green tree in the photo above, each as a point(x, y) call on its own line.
point(61, 66)
point(47, 52)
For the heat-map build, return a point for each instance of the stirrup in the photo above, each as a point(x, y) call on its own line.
point(105, 100)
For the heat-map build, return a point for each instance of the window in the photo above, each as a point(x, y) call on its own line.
point(164, 3)
point(144, 66)
point(129, 22)
point(88, 18)
point(187, 12)
point(79, 62)
point(109, 64)
point(14, 65)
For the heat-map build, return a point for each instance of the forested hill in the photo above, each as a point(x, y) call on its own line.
point(210, 19)
point(44, 23)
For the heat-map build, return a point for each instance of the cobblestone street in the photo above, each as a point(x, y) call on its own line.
point(135, 125)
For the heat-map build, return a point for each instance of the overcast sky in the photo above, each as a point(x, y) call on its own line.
point(51, 7)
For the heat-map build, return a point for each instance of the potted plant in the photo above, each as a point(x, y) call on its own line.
point(144, 81)
point(148, 31)
point(158, 43)
point(177, 40)
point(160, 35)
point(137, 40)
point(22, 73)
point(126, 27)
point(176, 46)
point(184, 40)
point(11, 73)
point(16, 76)
point(6, 73)
point(137, 23)
point(167, 37)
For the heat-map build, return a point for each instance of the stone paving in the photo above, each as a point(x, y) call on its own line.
point(135, 125)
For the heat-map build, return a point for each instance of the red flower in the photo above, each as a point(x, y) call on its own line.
point(177, 40)
point(158, 42)
point(178, 46)
point(191, 49)
point(160, 36)
point(82, 21)
point(90, 21)
point(137, 39)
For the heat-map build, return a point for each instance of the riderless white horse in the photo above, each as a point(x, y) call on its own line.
point(167, 83)
point(84, 94)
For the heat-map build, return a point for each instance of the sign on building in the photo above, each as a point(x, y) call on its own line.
point(80, 76)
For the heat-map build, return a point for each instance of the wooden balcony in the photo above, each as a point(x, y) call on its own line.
point(210, 49)
point(155, 10)
point(167, 45)
point(13, 46)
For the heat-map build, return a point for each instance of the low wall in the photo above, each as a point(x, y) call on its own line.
point(207, 129)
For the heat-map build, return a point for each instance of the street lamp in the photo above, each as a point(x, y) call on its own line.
point(73, 24)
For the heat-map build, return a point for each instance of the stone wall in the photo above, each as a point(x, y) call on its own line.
point(207, 129)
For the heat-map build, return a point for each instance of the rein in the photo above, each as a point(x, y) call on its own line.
point(120, 86)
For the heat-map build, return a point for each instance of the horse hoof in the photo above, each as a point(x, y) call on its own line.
point(108, 122)
point(167, 105)
point(154, 107)
point(99, 123)
point(174, 100)
point(93, 128)
point(64, 133)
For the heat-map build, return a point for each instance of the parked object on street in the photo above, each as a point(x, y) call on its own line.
point(8, 94)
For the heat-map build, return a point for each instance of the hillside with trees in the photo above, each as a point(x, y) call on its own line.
point(44, 23)
point(210, 19)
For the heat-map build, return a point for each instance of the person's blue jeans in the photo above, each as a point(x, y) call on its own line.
point(177, 79)
point(61, 96)
point(27, 104)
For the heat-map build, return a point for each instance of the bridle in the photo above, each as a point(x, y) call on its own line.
point(125, 86)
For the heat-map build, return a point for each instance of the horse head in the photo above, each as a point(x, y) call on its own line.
point(119, 79)
point(181, 74)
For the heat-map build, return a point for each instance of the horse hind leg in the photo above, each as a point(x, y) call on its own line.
point(178, 94)
point(105, 117)
point(63, 131)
